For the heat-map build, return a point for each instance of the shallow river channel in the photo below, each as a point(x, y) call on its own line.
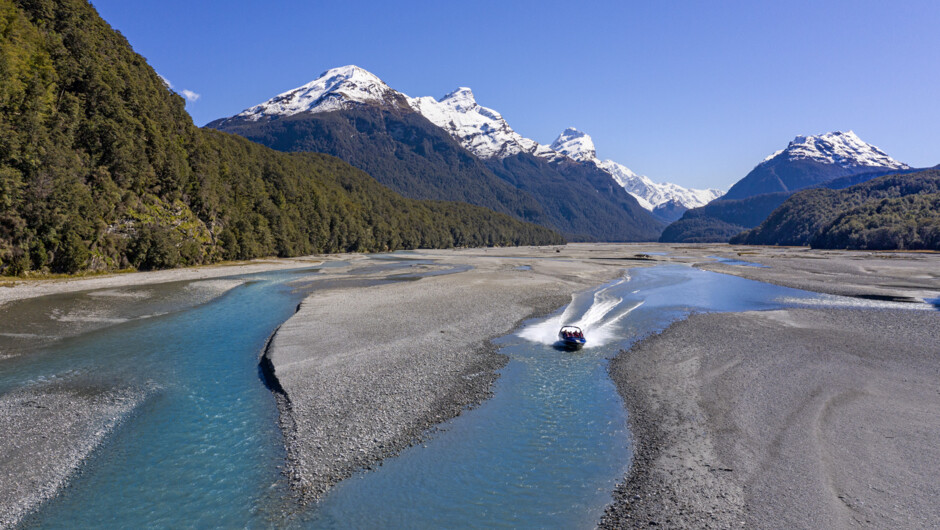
point(204, 449)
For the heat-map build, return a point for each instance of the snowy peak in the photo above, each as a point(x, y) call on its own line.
point(844, 149)
point(461, 100)
point(579, 146)
point(335, 89)
point(652, 194)
point(481, 130)
point(575, 144)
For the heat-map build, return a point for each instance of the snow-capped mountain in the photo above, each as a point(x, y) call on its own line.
point(484, 132)
point(579, 146)
point(289, 121)
point(575, 144)
point(481, 130)
point(335, 89)
point(844, 149)
point(812, 160)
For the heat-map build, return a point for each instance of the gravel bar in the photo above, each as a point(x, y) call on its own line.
point(362, 373)
point(799, 418)
point(48, 430)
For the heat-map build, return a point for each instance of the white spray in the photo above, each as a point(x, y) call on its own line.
point(598, 321)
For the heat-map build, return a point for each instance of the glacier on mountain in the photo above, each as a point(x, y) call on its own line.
point(335, 89)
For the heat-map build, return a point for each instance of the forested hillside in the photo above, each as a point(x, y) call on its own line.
point(721, 219)
point(101, 167)
point(400, 148)
point(584, 202)
point(892, 212)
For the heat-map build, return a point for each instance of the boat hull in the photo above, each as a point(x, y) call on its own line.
point(572, 344)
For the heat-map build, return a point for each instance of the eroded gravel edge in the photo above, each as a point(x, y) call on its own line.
point(471, 387)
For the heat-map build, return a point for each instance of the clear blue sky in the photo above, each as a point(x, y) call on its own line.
point(694, 93)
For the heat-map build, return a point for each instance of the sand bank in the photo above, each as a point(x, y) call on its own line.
point(901, 276)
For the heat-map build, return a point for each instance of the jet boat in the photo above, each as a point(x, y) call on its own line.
point(571, 337)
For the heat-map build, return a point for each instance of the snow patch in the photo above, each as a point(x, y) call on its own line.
point(335, 89)
point(481, 130)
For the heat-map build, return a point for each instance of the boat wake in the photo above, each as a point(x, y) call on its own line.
point(596, 313)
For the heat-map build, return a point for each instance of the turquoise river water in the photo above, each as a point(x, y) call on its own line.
point(204, 449)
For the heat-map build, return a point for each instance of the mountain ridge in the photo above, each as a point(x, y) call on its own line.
point(665, 200)
point(481, 130)
point(566, 192)
point(812, 160)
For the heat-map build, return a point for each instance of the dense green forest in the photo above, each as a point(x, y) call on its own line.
point(699, 230)
point(892, 212)
point(102, 168)
point(583, 201)
point(911, 222)
point(721, 219)
point(397, 146)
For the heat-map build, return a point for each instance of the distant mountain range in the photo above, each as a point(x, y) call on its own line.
point(666, 201)
point(409, 144)
point(812, 160)
point(836, 160)
point(453, 148)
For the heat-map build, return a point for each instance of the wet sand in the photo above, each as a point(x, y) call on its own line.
point(901, 276)
point(798, 418)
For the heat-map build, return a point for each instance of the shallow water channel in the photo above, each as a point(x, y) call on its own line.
point(205, 450)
